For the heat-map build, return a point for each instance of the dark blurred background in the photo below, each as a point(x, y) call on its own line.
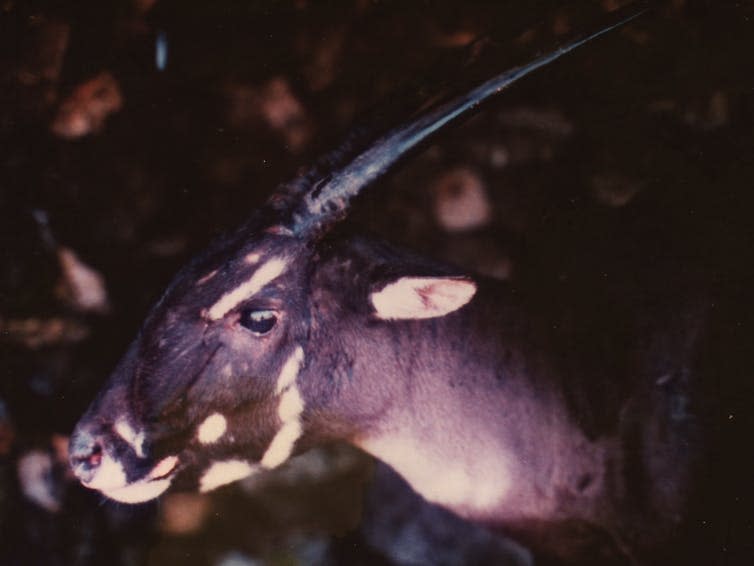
point(134, 131)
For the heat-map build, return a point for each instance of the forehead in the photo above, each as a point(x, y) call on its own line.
point(231, 270)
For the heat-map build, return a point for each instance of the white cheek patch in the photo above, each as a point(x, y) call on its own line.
point(291, 404)
point(281, 447)
point(212, 429)
point(134, 439)
point(290, 370)
point(289, 411)
point(266, 273)
point(422, 297)
point(222, 473)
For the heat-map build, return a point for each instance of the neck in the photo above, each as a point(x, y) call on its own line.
point(470, 416)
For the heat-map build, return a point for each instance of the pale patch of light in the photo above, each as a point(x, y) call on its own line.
point(161, 51)
point(267, 272)
point(34, 473)
point(443, 479)
point(134, 439)
point(422, 297)
point(222, 473)
point(213, 427)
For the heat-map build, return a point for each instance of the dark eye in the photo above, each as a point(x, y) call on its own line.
point(258, 321)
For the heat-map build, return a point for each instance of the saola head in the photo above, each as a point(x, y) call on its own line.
point(210, 390)
point(203, 380)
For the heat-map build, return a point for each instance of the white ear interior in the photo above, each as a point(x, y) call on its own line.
point(422, 297)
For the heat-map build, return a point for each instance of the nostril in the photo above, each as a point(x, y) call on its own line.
point(94, 458)
point(85, 455)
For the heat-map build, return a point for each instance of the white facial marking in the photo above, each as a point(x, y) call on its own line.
point(290, 370)
point(207, 277)
point(110, 479)
point(252, 258)
point(163, 467)
point(110, 475)
point(133, 438)
point(221, 473)
point(267, 272)
point(445, 479)
point(282, 445)
point(139, 492)
point(213, 427)
point(291, 404)
point(289, 411)
point(422, 297)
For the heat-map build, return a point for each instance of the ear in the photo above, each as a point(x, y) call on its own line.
point(422, 297)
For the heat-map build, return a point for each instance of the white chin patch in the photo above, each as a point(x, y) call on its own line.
point(111, 481)
point(110, 475)
point(140, 491)
point(267, 272)
point(222, 473)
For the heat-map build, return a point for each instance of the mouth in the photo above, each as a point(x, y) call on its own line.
point(154, 484)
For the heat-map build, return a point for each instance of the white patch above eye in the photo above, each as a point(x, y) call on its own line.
point(221, 473)
point(269, 271)
point(212, 428)
point(134, 439)
point(422, 297)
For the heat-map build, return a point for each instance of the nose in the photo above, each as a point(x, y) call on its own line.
point(84, 454)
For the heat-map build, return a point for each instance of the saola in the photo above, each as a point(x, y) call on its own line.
point(278, 338)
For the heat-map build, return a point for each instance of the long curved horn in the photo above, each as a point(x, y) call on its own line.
point(322, 198)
